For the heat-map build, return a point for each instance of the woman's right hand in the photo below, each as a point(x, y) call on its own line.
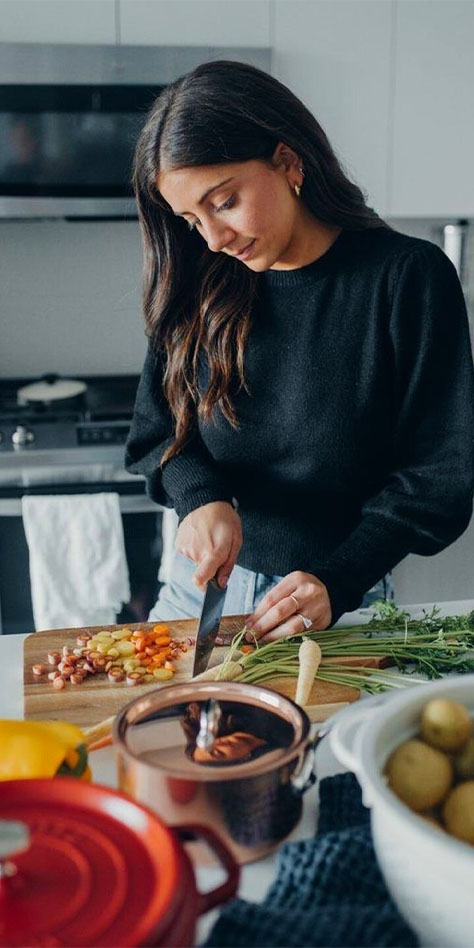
point(211, 536)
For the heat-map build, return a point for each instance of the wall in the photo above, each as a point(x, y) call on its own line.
point(70, 298)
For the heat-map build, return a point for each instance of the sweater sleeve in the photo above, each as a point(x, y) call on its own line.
point(425, 502)
point(187, 480)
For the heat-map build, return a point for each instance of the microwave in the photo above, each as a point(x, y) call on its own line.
point(70, 117)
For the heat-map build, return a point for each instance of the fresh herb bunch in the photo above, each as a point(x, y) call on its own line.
point(431, 646)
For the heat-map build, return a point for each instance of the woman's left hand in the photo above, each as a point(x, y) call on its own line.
point(279, 613)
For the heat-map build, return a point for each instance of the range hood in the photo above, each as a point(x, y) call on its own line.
point(70, 116)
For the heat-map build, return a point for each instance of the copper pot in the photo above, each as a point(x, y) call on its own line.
point(252, 804)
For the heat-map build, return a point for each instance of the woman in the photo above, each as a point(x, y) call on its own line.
point(306, 403)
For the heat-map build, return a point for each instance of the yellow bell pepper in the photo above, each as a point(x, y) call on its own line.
point(42, 749)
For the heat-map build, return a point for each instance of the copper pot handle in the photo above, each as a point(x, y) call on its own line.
point(225, 891)
point(305, 777)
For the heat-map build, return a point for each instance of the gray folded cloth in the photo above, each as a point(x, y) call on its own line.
point(328, 891)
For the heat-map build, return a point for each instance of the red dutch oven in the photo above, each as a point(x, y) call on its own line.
point(83, 865)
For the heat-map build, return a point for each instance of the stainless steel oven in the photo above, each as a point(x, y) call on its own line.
point(51, 450)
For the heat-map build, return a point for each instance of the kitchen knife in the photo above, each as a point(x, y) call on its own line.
point(208, 628)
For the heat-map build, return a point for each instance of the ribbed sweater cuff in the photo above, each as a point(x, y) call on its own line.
point(371, 550)
point(191, 483)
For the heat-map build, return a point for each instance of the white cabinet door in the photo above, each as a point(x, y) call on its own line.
point(195, 22)
point(57, 21)
point(433, 143)
point(335, 55)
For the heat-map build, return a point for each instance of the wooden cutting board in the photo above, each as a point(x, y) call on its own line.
point(98, 698)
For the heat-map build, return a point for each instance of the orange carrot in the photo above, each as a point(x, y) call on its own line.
point(103, 742)
point(162, 640)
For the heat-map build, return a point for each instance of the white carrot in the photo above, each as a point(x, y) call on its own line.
point(219, 673)
point(309, 656)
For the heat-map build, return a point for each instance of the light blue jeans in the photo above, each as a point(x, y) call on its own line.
point(180, 599)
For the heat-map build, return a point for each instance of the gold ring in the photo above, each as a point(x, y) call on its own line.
point(295, 601)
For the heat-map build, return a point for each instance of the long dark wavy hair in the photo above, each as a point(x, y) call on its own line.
point(196, 300)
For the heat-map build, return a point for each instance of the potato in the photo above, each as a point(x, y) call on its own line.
point(419, 775)
point(463, 761)
point(445, 724)
point(458, 811)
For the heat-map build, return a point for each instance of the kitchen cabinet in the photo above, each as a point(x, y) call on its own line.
point(433, 127)
point(336, 57)
point(57, 21)
point(195, 22)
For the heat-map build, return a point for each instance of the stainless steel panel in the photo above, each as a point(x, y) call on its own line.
point(31, 457)
point(130, 504)
point(76, 64)
point(44, 207)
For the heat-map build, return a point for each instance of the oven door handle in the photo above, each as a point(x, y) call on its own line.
point(129, 504)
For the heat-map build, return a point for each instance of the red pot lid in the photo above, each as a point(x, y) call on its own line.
point(100, 870)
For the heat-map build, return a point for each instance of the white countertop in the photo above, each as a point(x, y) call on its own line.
point(256, 877)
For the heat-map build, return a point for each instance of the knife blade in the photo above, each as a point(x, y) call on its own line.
point(208, 627)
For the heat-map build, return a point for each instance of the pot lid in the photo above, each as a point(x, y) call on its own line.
point(50, 389)
point(212, 731)
point(83, 865)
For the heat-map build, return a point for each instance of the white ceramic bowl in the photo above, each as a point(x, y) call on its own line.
point(430, 874)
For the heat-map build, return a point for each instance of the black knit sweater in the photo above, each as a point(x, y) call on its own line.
point(356, 445)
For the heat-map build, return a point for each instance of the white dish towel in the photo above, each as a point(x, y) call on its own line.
point(78, 568)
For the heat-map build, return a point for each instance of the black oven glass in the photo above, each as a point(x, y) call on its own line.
point(70, 141)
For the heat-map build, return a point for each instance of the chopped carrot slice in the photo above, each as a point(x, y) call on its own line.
point(161, 628)
point(162, 640)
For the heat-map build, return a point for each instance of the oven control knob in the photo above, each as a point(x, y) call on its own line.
point(22, 436)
